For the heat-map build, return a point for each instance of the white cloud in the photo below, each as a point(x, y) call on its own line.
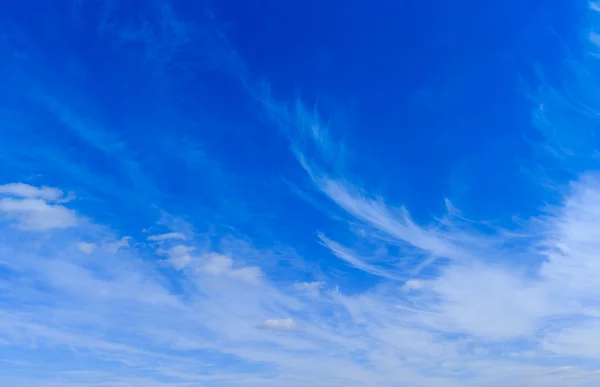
point(217, 264)
point(115, 246)
point(396, 223)
point(167, 236)
point(577, 340)
point(250, 274)
point(178, 256)
point(573, 239)
point(308, 291)
point(281, 324)
point(37, 215)
point(309, 286)
point(347, 256)
point(86, 247)
point(33, 208)
point(23, 190)
point(221, 265)
point(181, 257)
point(490, 302)
point(412, 285)
point(382, 335)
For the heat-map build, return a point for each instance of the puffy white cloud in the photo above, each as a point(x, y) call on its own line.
point(221, 265)
point(37, 215)
point(217, 264)
point(33, 208)
point(181, 257)
point(413, 285)
point(178, 256)
point(23, 190)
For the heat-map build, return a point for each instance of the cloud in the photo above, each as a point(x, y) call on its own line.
point(572, 239)
point(35, 208)
point(458, 319)
point(477, 300)
point(213, 264)
point(178, 256)
point(397, 223)
point(347, 256)
point(218, 265)
point(115, 246)
point(413, 285)
point(23, 190)
point(312, 289)
point(309, 286)
point(86, 247)
point(37, 215)
point(282, 324)
point(167, 236)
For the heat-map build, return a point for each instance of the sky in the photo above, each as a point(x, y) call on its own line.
point(323, 193)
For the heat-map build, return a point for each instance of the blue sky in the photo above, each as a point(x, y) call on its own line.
point(298, 193)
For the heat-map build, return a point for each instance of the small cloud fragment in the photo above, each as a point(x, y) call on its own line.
point(167, 236)
point(412, 285)
point(280, 324)
point(86, 247)
point(122, 243)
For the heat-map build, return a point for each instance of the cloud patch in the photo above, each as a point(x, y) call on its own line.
point(167, 236)
point(33, 208)
point(280, 324)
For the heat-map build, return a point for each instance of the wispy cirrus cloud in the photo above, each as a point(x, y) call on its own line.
point(349, 257)
point(390, 335)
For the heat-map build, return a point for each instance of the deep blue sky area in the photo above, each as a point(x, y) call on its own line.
point(421, 88)
point(325, 193)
